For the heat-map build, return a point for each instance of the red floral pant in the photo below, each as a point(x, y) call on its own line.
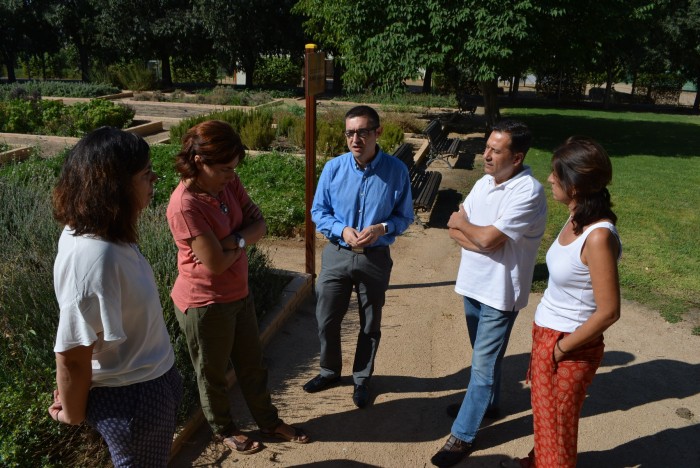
point(558, 391)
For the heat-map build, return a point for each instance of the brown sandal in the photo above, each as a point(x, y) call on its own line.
point(244, 447)
point(299, 436)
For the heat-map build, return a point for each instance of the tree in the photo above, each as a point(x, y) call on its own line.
point(244, 30)
point(148, 29)
point(78, 22)
point(682, 29)
point(22, 26)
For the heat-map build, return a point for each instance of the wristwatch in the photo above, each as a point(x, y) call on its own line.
point(386, 228)
point(240, 240)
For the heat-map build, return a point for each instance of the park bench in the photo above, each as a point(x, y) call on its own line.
point(424, 184)
point(467, 103)
point(442, 147)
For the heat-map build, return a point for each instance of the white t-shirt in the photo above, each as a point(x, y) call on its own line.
point(518, 208)
point(568, 300)
point(107, 294)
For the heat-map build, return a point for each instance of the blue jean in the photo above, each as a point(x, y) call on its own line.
point(489, 331)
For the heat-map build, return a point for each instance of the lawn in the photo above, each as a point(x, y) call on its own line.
point(656, 175)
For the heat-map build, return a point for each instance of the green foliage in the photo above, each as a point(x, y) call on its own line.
point(189, 70)
point(56, 89)
point(391, 138)
point(29, 317)
point(134, 76)
point(276, 182)
point(234, 117)
point(96, 113)
point(648, 153)
point(277, 71)
point(257, 132)
point(49, 117)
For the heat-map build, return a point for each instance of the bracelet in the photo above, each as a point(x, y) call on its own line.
point(559, 348)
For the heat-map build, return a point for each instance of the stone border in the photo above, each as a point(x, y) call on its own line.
point(15, 154)
point(293, 294)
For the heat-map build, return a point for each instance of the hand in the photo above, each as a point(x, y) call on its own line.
point(557, 355)
point(350, 236)
point(56, 407)
point(369, 235)
point(252, 212)
point(457, 218)
point(195, 259)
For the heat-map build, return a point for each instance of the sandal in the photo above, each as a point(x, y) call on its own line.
point(243, 447)
point(299, 436)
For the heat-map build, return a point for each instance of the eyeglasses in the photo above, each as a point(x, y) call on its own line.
point(361, 133)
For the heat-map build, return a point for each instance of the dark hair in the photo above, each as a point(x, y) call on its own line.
point(364, 111)
point(520, 135)
point(584, 170)
point(215, 141)
point(94, 193)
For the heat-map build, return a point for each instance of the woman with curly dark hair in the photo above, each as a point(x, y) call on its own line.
point(212, 220)
point(581, 301)
point(115, 366)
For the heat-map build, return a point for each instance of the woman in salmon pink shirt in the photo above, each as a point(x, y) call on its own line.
point(212, 220)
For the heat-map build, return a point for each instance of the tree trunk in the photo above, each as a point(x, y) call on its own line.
point(696, 104)
point(166, 72)
point(249, 67)
point(608, 90)
point(84, 63)
point(428, 80)
point(338, 70)
point(10, 65)
point(516, 87)
point(489, 90)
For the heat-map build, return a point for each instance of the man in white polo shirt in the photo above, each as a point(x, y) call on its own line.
point(499, 227)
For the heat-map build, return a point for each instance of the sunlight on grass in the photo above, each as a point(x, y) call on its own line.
point(656, 175)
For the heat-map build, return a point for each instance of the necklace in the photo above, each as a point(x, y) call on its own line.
point(222, 206)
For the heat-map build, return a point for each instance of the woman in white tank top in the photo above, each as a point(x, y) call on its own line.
point(581, 301)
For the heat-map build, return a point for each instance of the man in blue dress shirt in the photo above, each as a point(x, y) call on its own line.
point(363, 201)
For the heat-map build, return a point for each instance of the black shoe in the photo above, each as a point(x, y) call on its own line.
point(360, 396)
point(319, 383)
point(491, 413)
point(454, 451)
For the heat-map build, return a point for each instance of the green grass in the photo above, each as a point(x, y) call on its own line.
point(656, 175)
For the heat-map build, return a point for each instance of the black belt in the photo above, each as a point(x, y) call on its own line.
point(361, 250)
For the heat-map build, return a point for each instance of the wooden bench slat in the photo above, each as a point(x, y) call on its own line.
point(424, 184)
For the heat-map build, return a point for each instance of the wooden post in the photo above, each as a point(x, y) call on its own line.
point(315, 81)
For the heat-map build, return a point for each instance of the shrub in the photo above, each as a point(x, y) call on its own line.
point(330, 140)
point(391, 138)
point(277, 71)
point(257, 132)
point(29, 317)
point(134, 76)
point(36, 89)
point(98, 113)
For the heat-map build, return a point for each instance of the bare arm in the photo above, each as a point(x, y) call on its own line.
point(472, 237)
point(254, 228)
point(600, 253)
point(73, 380)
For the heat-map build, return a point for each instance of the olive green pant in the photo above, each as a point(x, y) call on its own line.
point(217, 334)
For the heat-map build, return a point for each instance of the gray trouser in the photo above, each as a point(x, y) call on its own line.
point(341, 272)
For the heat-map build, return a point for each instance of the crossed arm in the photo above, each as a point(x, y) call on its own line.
point(472, 237)
point(218, 255)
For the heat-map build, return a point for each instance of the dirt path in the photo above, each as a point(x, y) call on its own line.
point(643, 407)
